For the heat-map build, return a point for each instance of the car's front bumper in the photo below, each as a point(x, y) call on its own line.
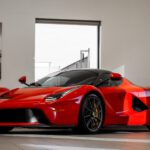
point(35, 113)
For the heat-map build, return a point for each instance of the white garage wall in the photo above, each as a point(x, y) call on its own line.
point(125, 34)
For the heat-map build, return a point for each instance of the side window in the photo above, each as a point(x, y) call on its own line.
point(105, 81)
point(116, 82)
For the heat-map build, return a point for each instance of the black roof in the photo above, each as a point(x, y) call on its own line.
point(98, 71)
point(94, 70)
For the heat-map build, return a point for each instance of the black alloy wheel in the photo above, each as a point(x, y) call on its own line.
point(92, 114)
point(148, 127)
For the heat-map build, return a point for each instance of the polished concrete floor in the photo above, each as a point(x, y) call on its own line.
point(65, 139)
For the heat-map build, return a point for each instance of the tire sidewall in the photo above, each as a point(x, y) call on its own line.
point(82, 123)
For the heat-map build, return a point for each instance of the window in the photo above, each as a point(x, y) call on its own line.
point(69, 78)
point(105, 81)
point(65, 44)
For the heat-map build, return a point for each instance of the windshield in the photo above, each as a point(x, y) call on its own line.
point(70, 78)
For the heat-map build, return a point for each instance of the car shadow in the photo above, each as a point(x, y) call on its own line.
point(47, 131)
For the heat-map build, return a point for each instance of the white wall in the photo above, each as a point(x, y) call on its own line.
point(0, 36)
point(125, 34)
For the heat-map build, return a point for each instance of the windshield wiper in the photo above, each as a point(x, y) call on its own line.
point(35, 84)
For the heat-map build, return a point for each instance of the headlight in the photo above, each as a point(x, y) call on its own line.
point(59, 95)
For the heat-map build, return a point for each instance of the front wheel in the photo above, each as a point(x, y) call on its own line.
point(5, 129)
point(148, 127)
point(91, 114)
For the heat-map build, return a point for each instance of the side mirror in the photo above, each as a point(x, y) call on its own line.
point(115, 76)
point(22, 80)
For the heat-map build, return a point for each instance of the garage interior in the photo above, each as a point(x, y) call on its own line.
point(123, 46)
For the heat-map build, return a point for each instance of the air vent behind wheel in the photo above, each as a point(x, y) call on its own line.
point(138, 105)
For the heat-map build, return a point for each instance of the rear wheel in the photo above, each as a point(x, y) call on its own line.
point(5, 129)
point(91, 114)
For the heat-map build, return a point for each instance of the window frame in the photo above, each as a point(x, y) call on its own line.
point(78, 22)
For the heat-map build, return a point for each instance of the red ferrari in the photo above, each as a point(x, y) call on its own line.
point(3, 90)
point(87, 100)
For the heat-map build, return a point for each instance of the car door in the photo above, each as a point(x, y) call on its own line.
point(113, 94)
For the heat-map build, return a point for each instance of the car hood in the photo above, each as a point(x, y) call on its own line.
point(34, 91)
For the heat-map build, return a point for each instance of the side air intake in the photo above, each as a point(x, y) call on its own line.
point(138, 105)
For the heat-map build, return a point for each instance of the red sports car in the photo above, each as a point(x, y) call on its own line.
point(86, 100)
point(3, 90)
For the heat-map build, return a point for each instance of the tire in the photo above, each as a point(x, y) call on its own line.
point(91, 114)
point(5, 129)
point(148, 127)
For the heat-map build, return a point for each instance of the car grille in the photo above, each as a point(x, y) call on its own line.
point(22, 115)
